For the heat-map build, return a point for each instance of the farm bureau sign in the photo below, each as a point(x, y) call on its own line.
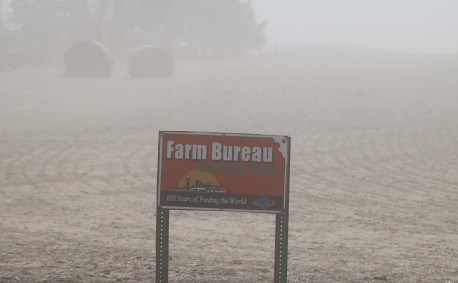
point(220, 171)
point(212, 171)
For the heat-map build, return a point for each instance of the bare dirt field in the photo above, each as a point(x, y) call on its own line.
point(374, 171)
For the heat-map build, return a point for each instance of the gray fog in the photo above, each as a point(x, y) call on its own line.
point(412, 26)
point(367, 91)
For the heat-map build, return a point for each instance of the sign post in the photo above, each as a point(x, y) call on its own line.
point(222, 171)
point(162, 245)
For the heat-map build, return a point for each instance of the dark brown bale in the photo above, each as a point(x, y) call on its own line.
point(88, 59)
point(150, 62)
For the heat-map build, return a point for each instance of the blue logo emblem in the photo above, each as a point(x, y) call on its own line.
point(264, 202)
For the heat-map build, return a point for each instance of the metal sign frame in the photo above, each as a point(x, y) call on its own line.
point(281, 226)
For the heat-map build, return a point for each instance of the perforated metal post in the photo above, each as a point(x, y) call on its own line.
point(281, 234)
point(281, 248)
point(162, 245)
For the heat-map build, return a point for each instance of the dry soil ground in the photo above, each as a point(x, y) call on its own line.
point(374, 171)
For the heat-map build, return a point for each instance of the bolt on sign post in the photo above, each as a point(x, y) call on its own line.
point(223, 171)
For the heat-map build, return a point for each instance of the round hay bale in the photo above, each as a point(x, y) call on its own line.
point(88, 59)
point(150, 62)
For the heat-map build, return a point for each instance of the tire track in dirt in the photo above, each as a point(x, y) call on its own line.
point(408, 170)
point(303, 108)
point(88, 168)
point(340, 161)
point(407, 179)
point(313, 139)
point(30, 170)
point(30, 163)
point(114, 164)
point(132, 162)
point(453, 138)
point(342, 154)
point(435, 152)
point(394, 144)
point(11, 168)
point(425, 143)
point(42, 169)
point(449, 144)
point(354, 169)
point(129, 170)
point(65, 165)
point(148, 163)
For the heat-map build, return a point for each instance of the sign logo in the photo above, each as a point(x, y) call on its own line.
point(264, 202)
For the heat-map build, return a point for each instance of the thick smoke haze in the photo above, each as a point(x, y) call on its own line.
point(412, 26)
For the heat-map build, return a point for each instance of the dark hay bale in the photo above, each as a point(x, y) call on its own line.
point(88, 59)
point(150, 62)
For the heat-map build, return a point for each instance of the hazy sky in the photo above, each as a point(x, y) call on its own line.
point(414, 26)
